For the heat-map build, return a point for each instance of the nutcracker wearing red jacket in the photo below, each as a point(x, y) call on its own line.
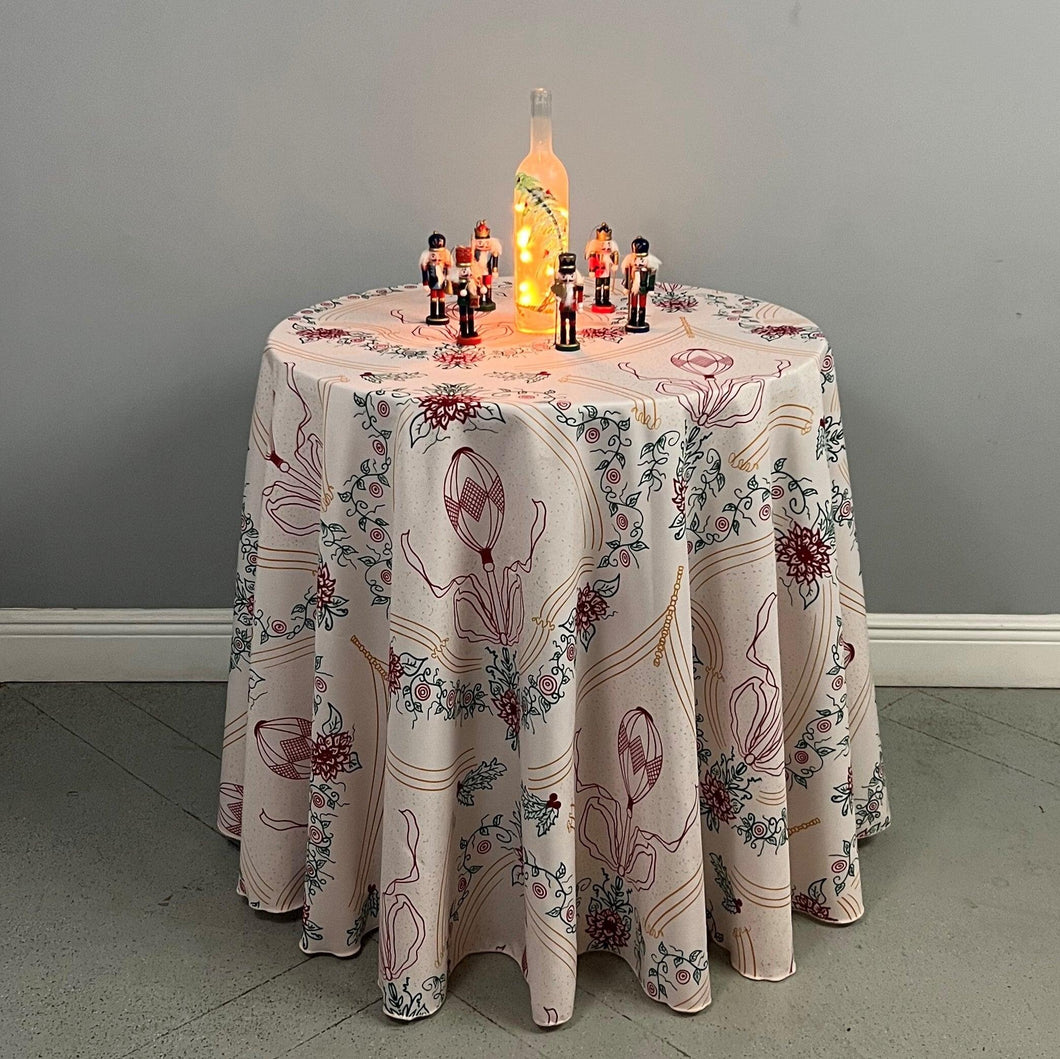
point(487, 251)
point(435, 265)
point(639, 269)
point(602, 255)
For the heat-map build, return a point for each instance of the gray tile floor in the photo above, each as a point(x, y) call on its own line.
point(121, 934)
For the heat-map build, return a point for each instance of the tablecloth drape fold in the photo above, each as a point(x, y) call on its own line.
point(543, 654)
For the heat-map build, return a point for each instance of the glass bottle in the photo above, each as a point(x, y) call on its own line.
point(541, 210)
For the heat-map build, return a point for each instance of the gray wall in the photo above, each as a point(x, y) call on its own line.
point(177, 177)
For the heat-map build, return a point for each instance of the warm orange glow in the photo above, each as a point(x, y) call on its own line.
point(528, 294)
point(540, 231)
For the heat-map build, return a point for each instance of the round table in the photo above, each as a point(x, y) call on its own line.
point(540, 652)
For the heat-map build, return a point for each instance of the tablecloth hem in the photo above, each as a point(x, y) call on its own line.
point(876, 829)
point(258, 906)
point(549, 1022)
point(763, 977)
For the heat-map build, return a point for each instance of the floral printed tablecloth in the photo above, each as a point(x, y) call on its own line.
point(538, 653)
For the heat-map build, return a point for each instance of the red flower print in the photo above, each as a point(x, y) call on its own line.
point(607, 928)
point(507, 709)
point(457, 358)
point(680, 489)
point(325, 586)
point(591, 608)
point(394, 673)
point(331, 755)
point(772, 331)
point(716, 798)
point(441, 409)
point(608, 334)
point(804, 553)
point(806, 904)
point(313, 334)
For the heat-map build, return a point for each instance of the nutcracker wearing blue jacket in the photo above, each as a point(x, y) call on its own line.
point(435, 265)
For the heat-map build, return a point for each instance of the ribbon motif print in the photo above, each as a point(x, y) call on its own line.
point(754, 708)
point(293, 500)
point(708, 401)
point(401, 941)
point(489, 608)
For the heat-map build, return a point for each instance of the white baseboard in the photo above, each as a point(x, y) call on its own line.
point(114, 644)
point(965, 650)
point(908, 650)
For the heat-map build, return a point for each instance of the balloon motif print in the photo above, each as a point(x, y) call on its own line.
point(535, 653)
point(487, 608)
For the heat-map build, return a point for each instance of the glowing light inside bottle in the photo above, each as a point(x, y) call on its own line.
point(541, 217)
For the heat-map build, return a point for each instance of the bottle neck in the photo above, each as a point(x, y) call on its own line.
point(540, 121)
point(540, 134)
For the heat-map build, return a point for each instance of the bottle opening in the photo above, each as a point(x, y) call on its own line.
point(541, 103)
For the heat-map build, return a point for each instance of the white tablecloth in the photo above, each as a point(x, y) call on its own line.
point(539, 652)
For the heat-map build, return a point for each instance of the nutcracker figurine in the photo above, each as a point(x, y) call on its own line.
point(602, 255)
point(467, 292)
point(569, 290)
point(639, 269)
point(487, 261)
point(435, 264)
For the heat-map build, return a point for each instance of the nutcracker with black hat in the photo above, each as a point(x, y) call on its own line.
point(568, 288)
point(639, 269)
point(435, 265)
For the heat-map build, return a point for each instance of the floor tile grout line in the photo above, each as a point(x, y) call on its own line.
point(313, 1037)
point(618, 1011)
point(187, 1022)
point(493, 1021)
point(338, 1022)
point(974, 753)
point(986, 716)
point(904, 695)
point(102, 753)
point(148, 713)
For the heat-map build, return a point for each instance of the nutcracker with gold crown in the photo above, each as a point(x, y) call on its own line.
point(602, 255)
point(435, 265)
point(569, 290)
point(487, 252)
point(639, 269)
point(468, 292)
